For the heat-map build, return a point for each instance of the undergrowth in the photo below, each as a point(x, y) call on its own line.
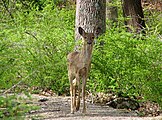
point(13, 107)
point(128, 65)
point(36, 44)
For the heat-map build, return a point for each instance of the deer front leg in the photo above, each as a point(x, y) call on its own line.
point(83, 94)
point(78, 99)
point(74, 94)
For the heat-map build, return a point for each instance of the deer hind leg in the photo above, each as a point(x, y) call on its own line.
point(71, 92)
point(74, 94)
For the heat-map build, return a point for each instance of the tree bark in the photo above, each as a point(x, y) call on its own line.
point(132, 9)
point(90, 14)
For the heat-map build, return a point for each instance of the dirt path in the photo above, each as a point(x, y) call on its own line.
point(58, 108)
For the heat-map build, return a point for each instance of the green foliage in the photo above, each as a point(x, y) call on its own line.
point(153, 18)
point(13, 107)
point(128, 65)
point(36, 44)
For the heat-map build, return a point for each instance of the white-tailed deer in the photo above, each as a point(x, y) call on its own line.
point(78, 68)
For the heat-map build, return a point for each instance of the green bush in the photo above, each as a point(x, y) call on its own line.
point(36, 44)
point(14, 107)
point(128, 65)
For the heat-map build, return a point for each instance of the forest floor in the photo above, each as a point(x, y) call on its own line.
point(58, 108)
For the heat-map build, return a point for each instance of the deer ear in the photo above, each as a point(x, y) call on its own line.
point(81, 31)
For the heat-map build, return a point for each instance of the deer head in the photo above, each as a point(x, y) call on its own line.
point(87, 37)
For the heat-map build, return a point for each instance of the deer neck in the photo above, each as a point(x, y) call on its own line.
point(86, 53)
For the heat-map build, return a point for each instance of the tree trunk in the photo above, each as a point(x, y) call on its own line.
point(133, 10)
point(90, 14)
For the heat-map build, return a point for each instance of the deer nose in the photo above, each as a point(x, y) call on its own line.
point(89, 42)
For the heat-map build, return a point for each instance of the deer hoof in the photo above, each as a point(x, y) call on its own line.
point(72, 112)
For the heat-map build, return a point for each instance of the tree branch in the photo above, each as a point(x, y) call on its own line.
point(17, 83)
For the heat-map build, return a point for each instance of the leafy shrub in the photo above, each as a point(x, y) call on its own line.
point(128, 65)
point(14, 107)
point(37, 45)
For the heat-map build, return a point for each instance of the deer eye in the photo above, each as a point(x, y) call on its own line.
point(85, 37)
point(92, 37)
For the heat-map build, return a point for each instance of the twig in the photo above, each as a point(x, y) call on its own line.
point(18, 83)
point(31, 35)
